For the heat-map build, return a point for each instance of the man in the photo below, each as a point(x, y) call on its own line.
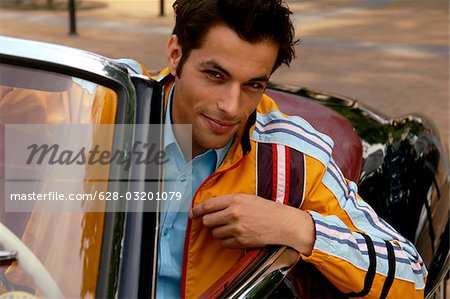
point(220, 58)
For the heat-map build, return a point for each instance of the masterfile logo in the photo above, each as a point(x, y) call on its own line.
point(140, 153)
point(68, 167)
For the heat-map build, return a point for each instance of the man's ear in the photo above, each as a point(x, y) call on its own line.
point(174, 54)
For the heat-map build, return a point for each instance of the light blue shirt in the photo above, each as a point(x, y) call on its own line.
point(184, 177)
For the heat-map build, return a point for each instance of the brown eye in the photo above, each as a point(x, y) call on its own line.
point(213, 74)
point(255, 86)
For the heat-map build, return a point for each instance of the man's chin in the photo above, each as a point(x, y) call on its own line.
point(217, 145)
point(213, 143)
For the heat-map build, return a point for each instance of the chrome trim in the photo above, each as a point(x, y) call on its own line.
point(269, 275)
point(53, 53)
point(8, 256)
point(154, 281)
point(72, 62)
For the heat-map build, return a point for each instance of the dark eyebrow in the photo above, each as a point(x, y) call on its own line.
point(260, 79)
point(214, 64)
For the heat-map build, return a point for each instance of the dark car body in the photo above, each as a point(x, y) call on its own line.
point(401, 167)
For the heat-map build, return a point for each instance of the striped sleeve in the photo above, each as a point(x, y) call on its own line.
point(360, 253)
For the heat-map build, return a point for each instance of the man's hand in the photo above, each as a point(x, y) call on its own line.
point(249, 221)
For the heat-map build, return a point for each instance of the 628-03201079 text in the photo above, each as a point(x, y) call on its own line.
point(104, 195)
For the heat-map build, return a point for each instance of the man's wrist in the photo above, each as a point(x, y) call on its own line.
point(303, 232)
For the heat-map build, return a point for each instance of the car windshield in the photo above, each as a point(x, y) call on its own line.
point(67, 244)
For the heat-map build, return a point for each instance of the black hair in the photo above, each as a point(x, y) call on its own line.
point(252, 20)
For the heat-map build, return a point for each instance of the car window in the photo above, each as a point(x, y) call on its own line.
point(67, 244)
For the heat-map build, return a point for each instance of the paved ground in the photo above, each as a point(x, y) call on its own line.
point(390, 54)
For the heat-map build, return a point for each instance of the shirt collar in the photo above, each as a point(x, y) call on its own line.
point(169, 136)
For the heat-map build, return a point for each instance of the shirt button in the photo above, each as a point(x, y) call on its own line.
point(166, 232)
point(183, 178)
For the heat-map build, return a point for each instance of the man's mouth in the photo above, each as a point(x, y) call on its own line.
point(219, 126)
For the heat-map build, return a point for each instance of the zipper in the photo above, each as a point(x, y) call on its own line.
point(188, 226)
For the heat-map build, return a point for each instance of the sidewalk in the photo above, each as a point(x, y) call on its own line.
point(122, 28)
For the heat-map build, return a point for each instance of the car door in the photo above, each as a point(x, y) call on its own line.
point(61, 98)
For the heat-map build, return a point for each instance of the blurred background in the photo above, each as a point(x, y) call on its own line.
point(390, 54)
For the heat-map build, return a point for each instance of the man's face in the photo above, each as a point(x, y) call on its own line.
point(220, 85)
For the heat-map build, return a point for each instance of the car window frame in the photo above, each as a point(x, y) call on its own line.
point(116, 78)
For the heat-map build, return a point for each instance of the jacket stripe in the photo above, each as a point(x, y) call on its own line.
point(370, 215)
point(391, 274)
point(296, 178)
point(339, 233)
point(264, 170)
point(371, 271)
point(383, 226)
point(280, 175)
point(294, 132)
point(336, 173)
point(350, 193)
point(274, 172)
point(350, 203)
point(330, 240)
point(283, 180)
point(379, 224)
point(304, 127)
point(287, 190)
point(316, 143)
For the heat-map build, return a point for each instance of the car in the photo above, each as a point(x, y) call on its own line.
point(78, 249)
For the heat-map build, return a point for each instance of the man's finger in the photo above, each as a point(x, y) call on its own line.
point(216, 218)
point(211, 205)
point(230, 243)
point(222, 232)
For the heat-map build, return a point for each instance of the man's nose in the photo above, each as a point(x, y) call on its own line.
point(229, 103)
